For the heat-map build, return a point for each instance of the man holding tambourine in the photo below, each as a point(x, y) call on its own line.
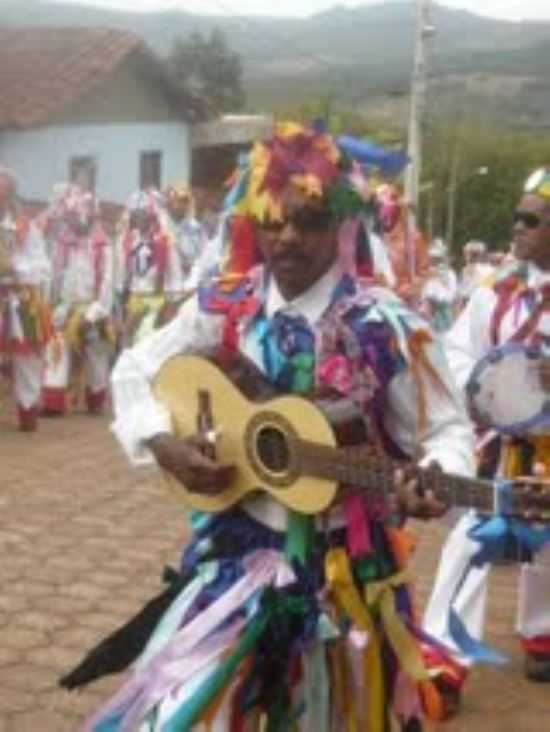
point(499, 351)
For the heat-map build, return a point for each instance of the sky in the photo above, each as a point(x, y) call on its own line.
point(509, 9)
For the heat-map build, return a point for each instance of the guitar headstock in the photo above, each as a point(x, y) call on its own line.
point(532, 499)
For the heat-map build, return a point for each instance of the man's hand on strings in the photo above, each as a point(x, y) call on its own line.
point(185, 459)
point(410, 500)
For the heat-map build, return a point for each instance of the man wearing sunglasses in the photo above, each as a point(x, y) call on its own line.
point(514, 310)
point(291, 299)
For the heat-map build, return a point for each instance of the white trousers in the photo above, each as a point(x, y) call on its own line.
point(96, 364)
point(533, 618)
point(470, 603)
point(27, 380)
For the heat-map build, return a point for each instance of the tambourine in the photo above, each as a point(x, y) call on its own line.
point(509, 389)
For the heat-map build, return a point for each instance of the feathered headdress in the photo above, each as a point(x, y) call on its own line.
point(179, 192)
point(307, 158)
point(333, 170)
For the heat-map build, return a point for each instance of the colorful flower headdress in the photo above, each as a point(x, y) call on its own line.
point(336, 171)
point(148, 200)
point(76, 200)
point(144, 200)
point(307, 158)
point(177, 193)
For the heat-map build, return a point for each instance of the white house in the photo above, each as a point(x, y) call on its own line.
point(89, 103)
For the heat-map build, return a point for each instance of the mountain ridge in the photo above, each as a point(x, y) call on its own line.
point(346, 53)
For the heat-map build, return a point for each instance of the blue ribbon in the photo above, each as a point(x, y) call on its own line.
point(494, 534)
point(283, 340)
point(391, 162)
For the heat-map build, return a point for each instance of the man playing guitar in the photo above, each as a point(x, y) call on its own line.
point(286, 619)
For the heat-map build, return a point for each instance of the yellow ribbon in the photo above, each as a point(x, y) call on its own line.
point(404, 645)
point(419, 364)
point(138, 304)
point(343, 588)
point(343, 692)
point(57, 348)
point(541, 444)
point(73, 329)
point(512, 463)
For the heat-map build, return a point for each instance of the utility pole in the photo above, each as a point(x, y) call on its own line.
point(424, 31)
point(451, 196)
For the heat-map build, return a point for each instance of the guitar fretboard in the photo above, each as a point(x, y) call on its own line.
point(365, 468)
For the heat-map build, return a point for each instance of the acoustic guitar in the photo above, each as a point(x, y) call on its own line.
point(290, 446)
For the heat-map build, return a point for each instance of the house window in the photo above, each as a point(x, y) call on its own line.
point(150, 169)
point(82, 170)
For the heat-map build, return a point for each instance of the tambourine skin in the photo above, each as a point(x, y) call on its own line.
point(507, 391)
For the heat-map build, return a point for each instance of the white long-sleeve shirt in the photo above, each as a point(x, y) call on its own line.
point(75, 279)
point(188, 241)
point(137, 268)
point(441, 286)
point(447, 439)
point(469, 340)
point(211, 257)
point(473, 276)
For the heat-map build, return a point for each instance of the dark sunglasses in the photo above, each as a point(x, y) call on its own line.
point(304, 220)
point(529, 219)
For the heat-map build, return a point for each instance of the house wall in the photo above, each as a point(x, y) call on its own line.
point(41, 157)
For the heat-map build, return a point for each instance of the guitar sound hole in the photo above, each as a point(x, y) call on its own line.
point(273, 449)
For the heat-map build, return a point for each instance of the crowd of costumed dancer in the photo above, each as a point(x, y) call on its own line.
point(72, 295)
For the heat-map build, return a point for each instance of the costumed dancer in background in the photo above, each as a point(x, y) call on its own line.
point(406, 247)
point(146, 262)
point(82, 292)
point(279, 618)
point(25, 318)
point(508, 389)
point(476, 271)
point(187, 238)
point(210, 212)
point(440, 289)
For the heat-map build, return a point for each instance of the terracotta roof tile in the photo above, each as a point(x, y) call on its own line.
point(42, 70)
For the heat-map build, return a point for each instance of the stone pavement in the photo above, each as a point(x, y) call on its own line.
point(83, 539)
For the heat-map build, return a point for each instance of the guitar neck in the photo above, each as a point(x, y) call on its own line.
point(363, 467)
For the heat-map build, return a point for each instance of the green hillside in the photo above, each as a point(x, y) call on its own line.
point(361, 57)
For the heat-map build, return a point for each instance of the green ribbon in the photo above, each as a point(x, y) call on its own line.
point(275, 607)
point(192, 710)
point(372, 569)
point(302, 380)
point(299, 537)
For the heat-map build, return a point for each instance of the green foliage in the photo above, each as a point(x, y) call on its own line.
point(340, 120)
point(206, 67)
point(484, 203)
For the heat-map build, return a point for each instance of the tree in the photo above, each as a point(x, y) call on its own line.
point(207, 69)
point(483, 203)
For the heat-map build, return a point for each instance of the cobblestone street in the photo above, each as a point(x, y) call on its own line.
point(83, 539)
